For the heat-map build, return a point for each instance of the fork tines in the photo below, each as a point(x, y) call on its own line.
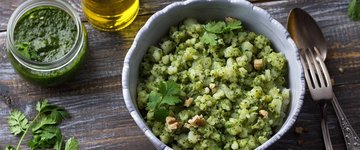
point(316, 74)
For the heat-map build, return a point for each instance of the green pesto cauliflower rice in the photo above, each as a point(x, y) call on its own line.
point(232, 88)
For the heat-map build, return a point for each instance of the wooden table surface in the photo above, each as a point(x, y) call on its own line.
point(94, 97)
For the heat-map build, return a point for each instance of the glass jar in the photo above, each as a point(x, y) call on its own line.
point(110, 15)
point(47, 73)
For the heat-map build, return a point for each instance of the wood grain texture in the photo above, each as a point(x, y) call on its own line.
point(94, 98)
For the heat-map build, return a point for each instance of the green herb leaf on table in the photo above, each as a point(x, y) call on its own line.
point(17, 122)
point(50, 133)
point(9, 147)
point(354, 10)
point(40, 105)
point(56, 112)
point(45, 133)
point(72, 144)
point(168, 95)
point(58, 143)
point(45, 138)
point(42, 122)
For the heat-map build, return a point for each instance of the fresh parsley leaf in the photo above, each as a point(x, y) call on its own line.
point(354, 10)
point(45, 134)
point(209, 38)
point(43, 122)
point(163, 88)
point(168, 95)
point(9, 147)
point(160, 114)
point(59, 114)
point(72, 144)
point(58, 143)
point(45, 138)
point(171, 88)
point(56, 112)
point(232, 24)
point(41, 105)
point(170, 100)
point(215, 27)
point(17, 122)
point(50, 133)
point(34, 141)
point(154, 99)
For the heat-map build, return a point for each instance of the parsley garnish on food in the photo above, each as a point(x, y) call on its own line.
point(45, 133)
point(212, 28)
point(168, 94)
point(354, 10)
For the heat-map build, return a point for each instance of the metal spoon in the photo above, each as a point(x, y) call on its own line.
point(307, 34)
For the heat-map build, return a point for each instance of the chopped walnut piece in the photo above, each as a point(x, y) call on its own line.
point(264, 113)
point(197, 121)
point(213, 87)
point(299, 130)
point(258, 64)
point(186, 125)
point(170, 120)
point(172, 124)
point(188, 102)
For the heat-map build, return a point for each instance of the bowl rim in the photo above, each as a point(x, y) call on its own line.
point(126, 73)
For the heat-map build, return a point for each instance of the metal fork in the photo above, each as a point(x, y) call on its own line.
point(319, 84)
point(320, 88)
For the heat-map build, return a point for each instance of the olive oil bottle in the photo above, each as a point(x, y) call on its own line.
point(110, 15)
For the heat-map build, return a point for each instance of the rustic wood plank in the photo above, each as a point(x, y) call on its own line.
point(6, 9)
point(100, 118)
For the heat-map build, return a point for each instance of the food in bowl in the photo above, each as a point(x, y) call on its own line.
point(45, 34)
point(46, 41)
point(213, 86)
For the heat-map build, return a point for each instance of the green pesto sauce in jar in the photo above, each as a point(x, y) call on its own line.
point(45, 34)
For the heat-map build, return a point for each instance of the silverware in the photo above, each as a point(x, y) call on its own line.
point(306, 34)
point(319, 83)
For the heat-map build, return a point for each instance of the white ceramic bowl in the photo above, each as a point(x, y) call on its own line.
point(253, 18)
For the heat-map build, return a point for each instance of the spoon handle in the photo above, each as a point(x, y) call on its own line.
point(352, 140)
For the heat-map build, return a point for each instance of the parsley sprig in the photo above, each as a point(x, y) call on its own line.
point(354, 10)
point(213, 28)
point(167, 94)
point(45, 133)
